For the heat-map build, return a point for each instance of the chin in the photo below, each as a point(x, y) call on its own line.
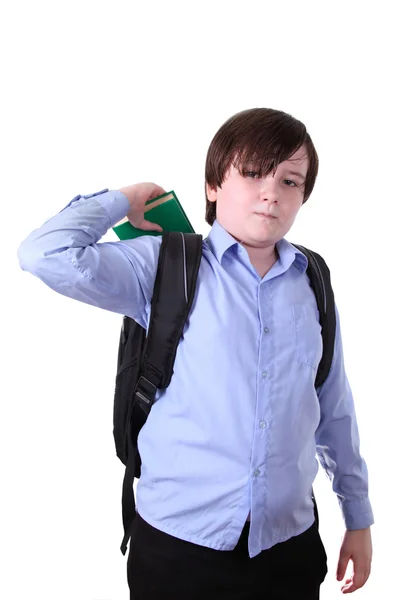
point(261, 239)
point(264, 233)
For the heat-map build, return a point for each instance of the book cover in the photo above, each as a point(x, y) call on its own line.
point(165, 210)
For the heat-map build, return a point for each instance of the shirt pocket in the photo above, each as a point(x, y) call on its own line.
point(308, 338)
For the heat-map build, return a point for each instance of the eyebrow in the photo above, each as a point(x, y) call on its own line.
point(298, 174)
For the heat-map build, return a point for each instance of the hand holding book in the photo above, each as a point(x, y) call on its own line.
point(138, 194)
point(152, 216)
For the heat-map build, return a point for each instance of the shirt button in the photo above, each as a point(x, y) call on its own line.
point(256, 473)
point(265, 374)
point(266, 329)
point(263, 424)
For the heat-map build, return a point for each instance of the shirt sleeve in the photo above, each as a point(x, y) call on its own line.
point(338, 443)
point(66, 255)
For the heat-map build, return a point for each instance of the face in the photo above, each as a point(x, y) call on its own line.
point(260, 211)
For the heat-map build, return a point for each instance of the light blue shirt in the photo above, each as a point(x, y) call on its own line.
point(239, 427)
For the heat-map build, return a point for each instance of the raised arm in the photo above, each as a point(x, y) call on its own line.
point(66, 255)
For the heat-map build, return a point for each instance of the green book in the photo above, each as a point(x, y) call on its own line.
point(165, 210)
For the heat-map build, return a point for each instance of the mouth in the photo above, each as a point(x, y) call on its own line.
point(265, 216)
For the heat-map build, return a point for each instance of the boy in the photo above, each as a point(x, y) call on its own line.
point(228, 451)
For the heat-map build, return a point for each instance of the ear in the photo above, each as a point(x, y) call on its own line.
point(211, 193)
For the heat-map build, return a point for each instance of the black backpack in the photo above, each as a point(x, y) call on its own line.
point(145, 363)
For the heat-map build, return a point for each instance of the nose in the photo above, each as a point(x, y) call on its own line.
point(269, 190)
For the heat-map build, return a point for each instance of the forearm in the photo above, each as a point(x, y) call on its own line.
point(81, 223)
point(338, 444)
point(65, 254)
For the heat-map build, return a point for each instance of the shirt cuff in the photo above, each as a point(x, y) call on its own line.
point(114, 203)
point(357, 514)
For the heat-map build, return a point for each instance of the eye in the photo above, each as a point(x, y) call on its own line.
point(290, 181)
point(251, 174)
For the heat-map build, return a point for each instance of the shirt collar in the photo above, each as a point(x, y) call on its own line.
point(220, 241)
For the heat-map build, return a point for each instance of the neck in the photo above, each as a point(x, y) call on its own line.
point(262, 259)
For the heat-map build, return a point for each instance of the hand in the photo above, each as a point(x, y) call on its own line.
point(357, 546)
point(138, 194)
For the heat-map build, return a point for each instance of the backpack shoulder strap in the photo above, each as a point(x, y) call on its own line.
point(174, 289)
point(320, 280)
point(173, 294)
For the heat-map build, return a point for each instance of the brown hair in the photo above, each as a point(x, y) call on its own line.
point(262, 136)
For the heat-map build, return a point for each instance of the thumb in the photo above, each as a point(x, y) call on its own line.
point(148, 226)
point(342, 565)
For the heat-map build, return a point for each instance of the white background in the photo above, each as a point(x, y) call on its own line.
point(105, 94)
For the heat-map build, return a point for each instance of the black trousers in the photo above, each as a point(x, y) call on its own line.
point(163, 567)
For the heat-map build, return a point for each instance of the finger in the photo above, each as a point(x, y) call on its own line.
point(348, 587)
point(157, 190)
point(360, 579)
point(148, 226)
point(355, 583)
point(342, 566)
point(362, 570)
